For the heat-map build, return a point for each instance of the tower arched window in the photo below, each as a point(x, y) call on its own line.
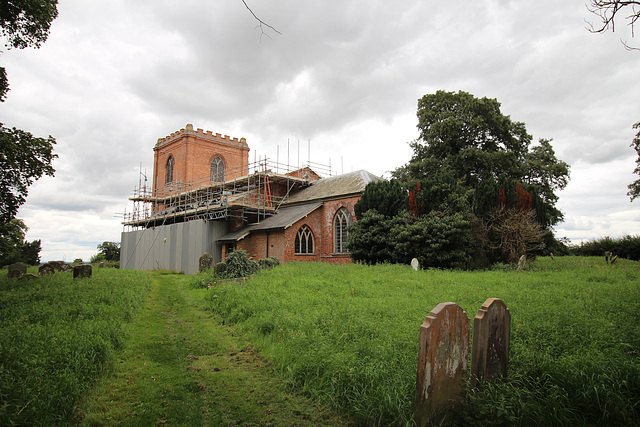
point(304, 241)
point(169, 174)
point(341, 222)
point(217, 170)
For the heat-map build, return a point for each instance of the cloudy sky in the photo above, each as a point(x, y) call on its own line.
point(343, 77)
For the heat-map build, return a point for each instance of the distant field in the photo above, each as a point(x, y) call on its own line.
point(348, 335)
point(57, 335)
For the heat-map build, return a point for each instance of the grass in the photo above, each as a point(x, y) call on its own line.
point(181, 367)
point(295, 344)
point(347, 335)
point(57, 335)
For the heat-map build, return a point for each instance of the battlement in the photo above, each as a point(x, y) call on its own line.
point(200, 134)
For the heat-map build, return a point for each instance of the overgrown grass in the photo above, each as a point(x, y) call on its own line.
point(348, 335)
point(56, 336)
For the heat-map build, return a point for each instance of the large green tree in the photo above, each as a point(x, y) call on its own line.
point(23, 159)
point(478, 191)
point(472, 141)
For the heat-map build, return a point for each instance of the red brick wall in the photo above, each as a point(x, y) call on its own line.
point(193, 152)
point(281, 243)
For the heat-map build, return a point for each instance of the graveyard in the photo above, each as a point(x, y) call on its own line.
point(319, 344)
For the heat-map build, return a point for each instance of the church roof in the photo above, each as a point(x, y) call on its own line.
point(334, 187)
point(285, 218)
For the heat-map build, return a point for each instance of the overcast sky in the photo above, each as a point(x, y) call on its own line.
point(114, 76)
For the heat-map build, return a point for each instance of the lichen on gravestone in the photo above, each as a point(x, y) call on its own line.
point(442, 362)
point(491, 336)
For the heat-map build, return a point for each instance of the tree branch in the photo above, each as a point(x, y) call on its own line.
point(607, 10)
point(261, 23)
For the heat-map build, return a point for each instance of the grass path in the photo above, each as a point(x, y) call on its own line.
point(182, 367)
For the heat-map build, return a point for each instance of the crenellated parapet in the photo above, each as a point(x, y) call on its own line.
point(201, 135)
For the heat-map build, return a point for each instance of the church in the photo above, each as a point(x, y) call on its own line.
point(206, 197)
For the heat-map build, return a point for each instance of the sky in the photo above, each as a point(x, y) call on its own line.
point(339, 85)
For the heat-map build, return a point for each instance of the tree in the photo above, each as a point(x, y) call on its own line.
point(634, 187)
point(13, 247)
point(23, 159)
point(110, 251)
point(385, 197)
point(608, 11)
point(25, 23)
point(472, 141)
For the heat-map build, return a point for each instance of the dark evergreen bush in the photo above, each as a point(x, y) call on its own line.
point(269, 262)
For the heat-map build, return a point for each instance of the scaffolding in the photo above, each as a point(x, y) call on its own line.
point(250, 194)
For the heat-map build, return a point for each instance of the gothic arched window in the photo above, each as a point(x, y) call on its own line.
point(169, 175)
point(341, 222)
point(217, 170)
point(304, 241)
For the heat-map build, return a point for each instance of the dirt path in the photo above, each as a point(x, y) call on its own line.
point(180, 366)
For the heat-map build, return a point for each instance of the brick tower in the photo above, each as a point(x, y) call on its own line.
point(195, 157)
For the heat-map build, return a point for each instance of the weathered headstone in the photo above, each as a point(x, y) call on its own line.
point(82, 271)
point(442, 362)
point(46, 269)
point(17, 270)
point(521, 262)
point(28, 276)
point(205, 261)
point(491, 334)
point(415, 264)
point(65, 267)
point(57, 264)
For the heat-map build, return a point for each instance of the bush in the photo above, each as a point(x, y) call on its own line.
point(625, 247)
point(238, 264)
point(266, 263)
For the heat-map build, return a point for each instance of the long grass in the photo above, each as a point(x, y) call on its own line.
point(57, 335)
point(348, 335)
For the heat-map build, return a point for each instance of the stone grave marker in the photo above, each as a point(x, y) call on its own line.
point(82, 271)
point(17, 270)
point(415, 264)
point(490, 348)
point(442, 362)
point(205, 261)
point(46, 269)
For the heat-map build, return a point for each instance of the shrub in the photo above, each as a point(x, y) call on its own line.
point(625, 247)
point(266, 263)
point(238, 264)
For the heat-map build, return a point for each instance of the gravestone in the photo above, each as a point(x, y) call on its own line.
point(82, 271)
point(442, 362)
point(46, 269)
point(56, 264)
point(65, 267)
point(17, 270)
point(415, 264)
point(205, 261)
point(490, 348)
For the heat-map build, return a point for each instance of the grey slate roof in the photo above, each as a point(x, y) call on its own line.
point(333, 187)
point(285, 218)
